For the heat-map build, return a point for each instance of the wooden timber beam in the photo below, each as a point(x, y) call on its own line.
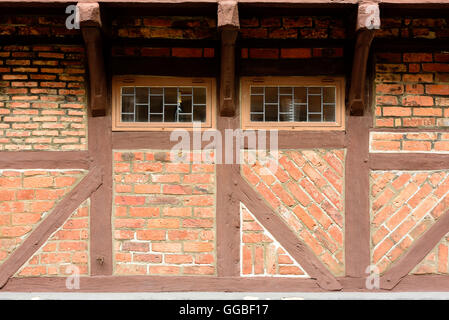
point(228, 25)
point(417, 252)
point(284, 235)
point(82, 191)
point(368, 20)
point(90, 22)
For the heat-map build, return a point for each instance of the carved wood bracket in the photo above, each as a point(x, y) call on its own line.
point(90, 22)
point(368, 20)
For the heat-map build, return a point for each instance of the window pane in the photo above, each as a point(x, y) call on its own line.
point(271, 95)
point(128, 104)
point(256, 103)
point(142, 113)
point(163, 104)
point(329, 95)
point(329, 113)
point(314, 103)
point(300, 95)
point(199, 95)
point(141, 95)
point(293, 104)
point(156, 104)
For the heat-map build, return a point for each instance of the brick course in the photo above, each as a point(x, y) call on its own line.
point(292, 27)
point(403, 206)
point(412, 90)
point(42, 98)
point(413, 28)
point(435, 142)
point(68, 246)
point(261, 254)
point(164, 220)
point(307, 192)
point(26, 197)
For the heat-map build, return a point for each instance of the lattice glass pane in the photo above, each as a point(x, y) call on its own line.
point(286, 104)
point(329, 95)
point(199, 95)
point(256, 103)
point(141, 95)
point(271, 95)
point(293, 104)
point(142, 113)
point(164, 104)
point(329, 113)
point(128, 104)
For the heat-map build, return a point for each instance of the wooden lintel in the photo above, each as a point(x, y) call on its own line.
point(368, 20)
point(52, 222)
point(44, 160)
point(90, 22)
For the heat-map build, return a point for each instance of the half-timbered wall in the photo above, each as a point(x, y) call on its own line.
point(73, 192)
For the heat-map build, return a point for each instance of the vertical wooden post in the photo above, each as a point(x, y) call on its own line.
point(228, 203)
point(100, 141)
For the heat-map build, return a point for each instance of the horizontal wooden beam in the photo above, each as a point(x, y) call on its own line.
point(408, 161)
point(52, 222)
point(44, 160)
point(417, 252)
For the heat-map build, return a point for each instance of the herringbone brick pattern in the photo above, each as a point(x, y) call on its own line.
point(261, 254)
point(68, 246)
point(306, 190)
point(404, 204)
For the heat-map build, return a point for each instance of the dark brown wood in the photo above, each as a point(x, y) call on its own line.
point(284, 235)
point(227, 74)
point(408, 161)
point(357, 215)
point(368, 20)
point(90, 22)
point(52, 222)
point(227, 211)
point(311, 139)
point(357, 92)
point(417, 252)
point(100, 150)
point(164, 284)
point(44, 160)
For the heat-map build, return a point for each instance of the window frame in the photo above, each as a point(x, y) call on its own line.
point(293, 81)
point(120, 81)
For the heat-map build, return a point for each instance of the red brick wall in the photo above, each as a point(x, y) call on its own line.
point(261, 254)
point(67, 247)
point(414, 28)
point(164, 215)
point(412, 89)
point(404, 204)
point(294, 27)
point(306, 190)
point(26, 197)
point(42, 98)
point(165, 27)
point(163, 52)
point(15, 25)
